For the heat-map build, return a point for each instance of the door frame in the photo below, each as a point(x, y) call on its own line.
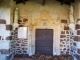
point(33, 41)
point(56, 35)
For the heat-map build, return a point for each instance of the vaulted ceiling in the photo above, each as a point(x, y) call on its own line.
point(68, 2)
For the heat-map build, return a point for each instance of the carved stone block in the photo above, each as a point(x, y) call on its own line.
point(8, 27)
point(62, 32)
point(64, 21)
point(77, 26)
point(78, 32)
point(9, 38)
point(66, 28)
point(2, 21)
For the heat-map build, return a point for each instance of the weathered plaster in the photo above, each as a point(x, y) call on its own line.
point(44, 17)
point(5, 44)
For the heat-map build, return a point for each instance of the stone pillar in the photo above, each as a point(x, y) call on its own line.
point(71, 24)
point(5, 40)
point(16, 17)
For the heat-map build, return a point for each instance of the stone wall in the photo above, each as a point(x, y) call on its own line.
point(75, 49)
point(12, 42)
point(65, 37)
point(33, 15)
point(5, 37)
point(50, 16)
point(5, 31)
point(75, 35)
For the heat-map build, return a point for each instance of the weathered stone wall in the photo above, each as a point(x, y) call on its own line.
point(33, 15)
point(75, 47)
point(65, 39)
point(75, 35)
point(5, 30)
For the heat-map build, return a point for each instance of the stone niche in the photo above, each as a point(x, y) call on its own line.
point(44, 22)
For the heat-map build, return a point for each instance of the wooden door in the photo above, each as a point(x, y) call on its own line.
point(44, 41)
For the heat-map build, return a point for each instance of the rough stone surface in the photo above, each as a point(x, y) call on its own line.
point(2, 21)
point(78, 32)
point(64, 21)
point(8, 27)
point(77, 26)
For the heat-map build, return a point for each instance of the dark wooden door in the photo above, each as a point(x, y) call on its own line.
point(44, 41)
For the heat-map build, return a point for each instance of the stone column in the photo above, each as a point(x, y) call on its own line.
point(16, 18)
point(71, 24)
